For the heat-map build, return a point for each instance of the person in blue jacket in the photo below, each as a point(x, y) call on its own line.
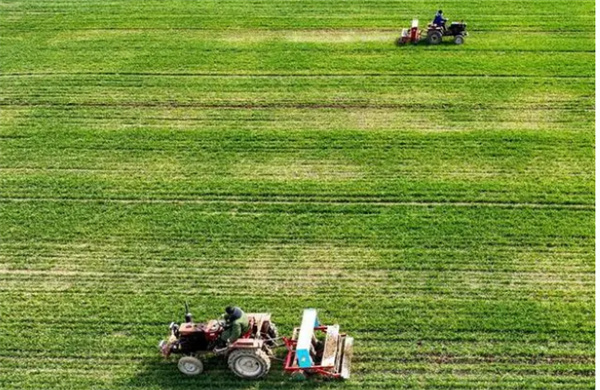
point(439, 19)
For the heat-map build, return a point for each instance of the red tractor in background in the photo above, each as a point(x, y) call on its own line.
point(434, 33)
point(457, 30)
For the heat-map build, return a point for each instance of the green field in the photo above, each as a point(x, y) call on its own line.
point(436, 202)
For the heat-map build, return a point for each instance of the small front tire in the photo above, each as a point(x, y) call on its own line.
point(459, 39)
point(190, 365)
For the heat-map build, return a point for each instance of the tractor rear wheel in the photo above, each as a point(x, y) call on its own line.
point(190, 365)
point(434, 37)
point(459, 39)
point(249, 363)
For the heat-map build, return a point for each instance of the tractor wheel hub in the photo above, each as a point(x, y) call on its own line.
point(248, 365)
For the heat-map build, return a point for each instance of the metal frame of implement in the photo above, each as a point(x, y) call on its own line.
point(307, 355)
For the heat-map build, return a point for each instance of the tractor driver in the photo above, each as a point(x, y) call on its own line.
point(439, 19)
point(236, 324)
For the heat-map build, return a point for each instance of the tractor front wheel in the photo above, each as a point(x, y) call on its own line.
point(190, 365)
point(459, 39)
point(434, 37)
point(249, 363)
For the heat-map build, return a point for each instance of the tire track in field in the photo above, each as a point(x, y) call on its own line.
point(447, 359)
point(577, 206)
point(374, 333)
point(126, 262)
point(299, 75)
point(442, 358)
point(416, 277)
point(571, 106)
point(396, 31)
point(94, 247)
point(130, 239)
point(123, 293)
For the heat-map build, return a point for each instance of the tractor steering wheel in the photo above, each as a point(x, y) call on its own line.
point(216, 326)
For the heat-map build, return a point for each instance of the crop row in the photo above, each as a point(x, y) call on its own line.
point(284, 258)
point(280, 59)
point(436, 318)
point(312, 92)
point(335, 40)
point(181, 116)
point(492, 15)
point(409, 349)
point(370, 125)
point(523, 368)
point(82, 188)
point(158, 375)
point(399, 225)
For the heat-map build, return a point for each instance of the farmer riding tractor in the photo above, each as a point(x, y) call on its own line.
point(248, 354)
point(435, 31)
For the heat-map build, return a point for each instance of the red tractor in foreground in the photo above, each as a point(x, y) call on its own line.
point(313, 350)
point(248, 357)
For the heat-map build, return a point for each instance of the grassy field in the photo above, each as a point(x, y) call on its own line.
point(437, 202)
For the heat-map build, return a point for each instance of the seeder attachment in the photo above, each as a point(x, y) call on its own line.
point(412, 35)
point(318, 349)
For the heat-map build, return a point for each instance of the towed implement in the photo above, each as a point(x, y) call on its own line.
point(313, 349)
point(318, 349)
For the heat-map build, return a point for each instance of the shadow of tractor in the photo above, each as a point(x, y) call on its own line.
point(447, 41)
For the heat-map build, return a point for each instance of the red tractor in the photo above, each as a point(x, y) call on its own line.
point(434, 33)
point(248, 357)
point(457, 30)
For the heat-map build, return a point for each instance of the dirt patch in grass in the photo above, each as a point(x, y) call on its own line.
point(283, 169)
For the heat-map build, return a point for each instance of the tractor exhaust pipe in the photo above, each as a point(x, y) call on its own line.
point(188, 315)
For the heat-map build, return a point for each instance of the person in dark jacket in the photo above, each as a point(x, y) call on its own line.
point(439, 19)
point(236, 324)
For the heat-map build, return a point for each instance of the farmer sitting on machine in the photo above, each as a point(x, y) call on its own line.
point(439, 19)
point(236, 324)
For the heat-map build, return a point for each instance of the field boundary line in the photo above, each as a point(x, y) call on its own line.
point(578, 206)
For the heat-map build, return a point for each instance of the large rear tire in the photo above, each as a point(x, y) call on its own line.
point(249, 363)
point(190, 365)
point(434, 37)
